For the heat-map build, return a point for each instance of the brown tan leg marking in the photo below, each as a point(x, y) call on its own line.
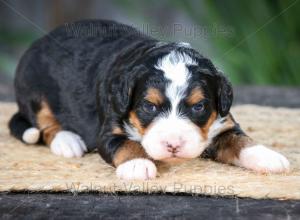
point(230, 146)
point(47, 123)
point(128, 151)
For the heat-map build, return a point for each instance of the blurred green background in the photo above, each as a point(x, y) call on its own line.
point(253, 42)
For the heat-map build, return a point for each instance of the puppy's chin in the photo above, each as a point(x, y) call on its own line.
point(174, 160)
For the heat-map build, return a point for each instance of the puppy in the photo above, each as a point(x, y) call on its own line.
point(134, 98)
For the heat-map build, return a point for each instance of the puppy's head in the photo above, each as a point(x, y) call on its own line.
point(178, 105)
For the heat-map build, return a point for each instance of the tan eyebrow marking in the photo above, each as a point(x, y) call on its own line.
point(195, 96)
point(154, 96)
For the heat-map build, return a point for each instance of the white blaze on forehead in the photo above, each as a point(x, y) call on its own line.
point(174, 66)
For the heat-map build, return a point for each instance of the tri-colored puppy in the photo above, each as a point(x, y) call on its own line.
point(134, 98)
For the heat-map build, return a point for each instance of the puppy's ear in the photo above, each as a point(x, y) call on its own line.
point(123, 89)
point(225, 95)
point(121, 94)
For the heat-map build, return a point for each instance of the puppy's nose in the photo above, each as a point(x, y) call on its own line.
point(173, 149)
point(173, 146)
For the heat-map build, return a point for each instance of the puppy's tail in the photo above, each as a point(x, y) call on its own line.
point(21, 128)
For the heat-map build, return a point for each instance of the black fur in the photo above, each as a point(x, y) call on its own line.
point(225, 95)
point(18, 124)
point(92, 81)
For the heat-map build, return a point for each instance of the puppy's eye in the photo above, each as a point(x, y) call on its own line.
point(199, 107)
point(149, 107)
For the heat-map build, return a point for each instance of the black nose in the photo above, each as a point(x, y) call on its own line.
point(173, 148)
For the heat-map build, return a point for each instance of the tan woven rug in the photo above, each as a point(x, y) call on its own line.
point(34, 168)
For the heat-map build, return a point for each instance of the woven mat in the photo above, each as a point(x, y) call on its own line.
point(34, 168)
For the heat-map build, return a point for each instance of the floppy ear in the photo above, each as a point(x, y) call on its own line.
point(225, 95)
point(121, 96)
point(123, 88)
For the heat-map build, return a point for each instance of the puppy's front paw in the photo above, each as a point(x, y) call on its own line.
point(262, 159)
point(137, 169)
point(68, 144)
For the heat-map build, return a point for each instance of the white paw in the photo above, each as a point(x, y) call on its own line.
point(31, 135)
point(262, 159)
point(137, 169)
point(68, 144)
